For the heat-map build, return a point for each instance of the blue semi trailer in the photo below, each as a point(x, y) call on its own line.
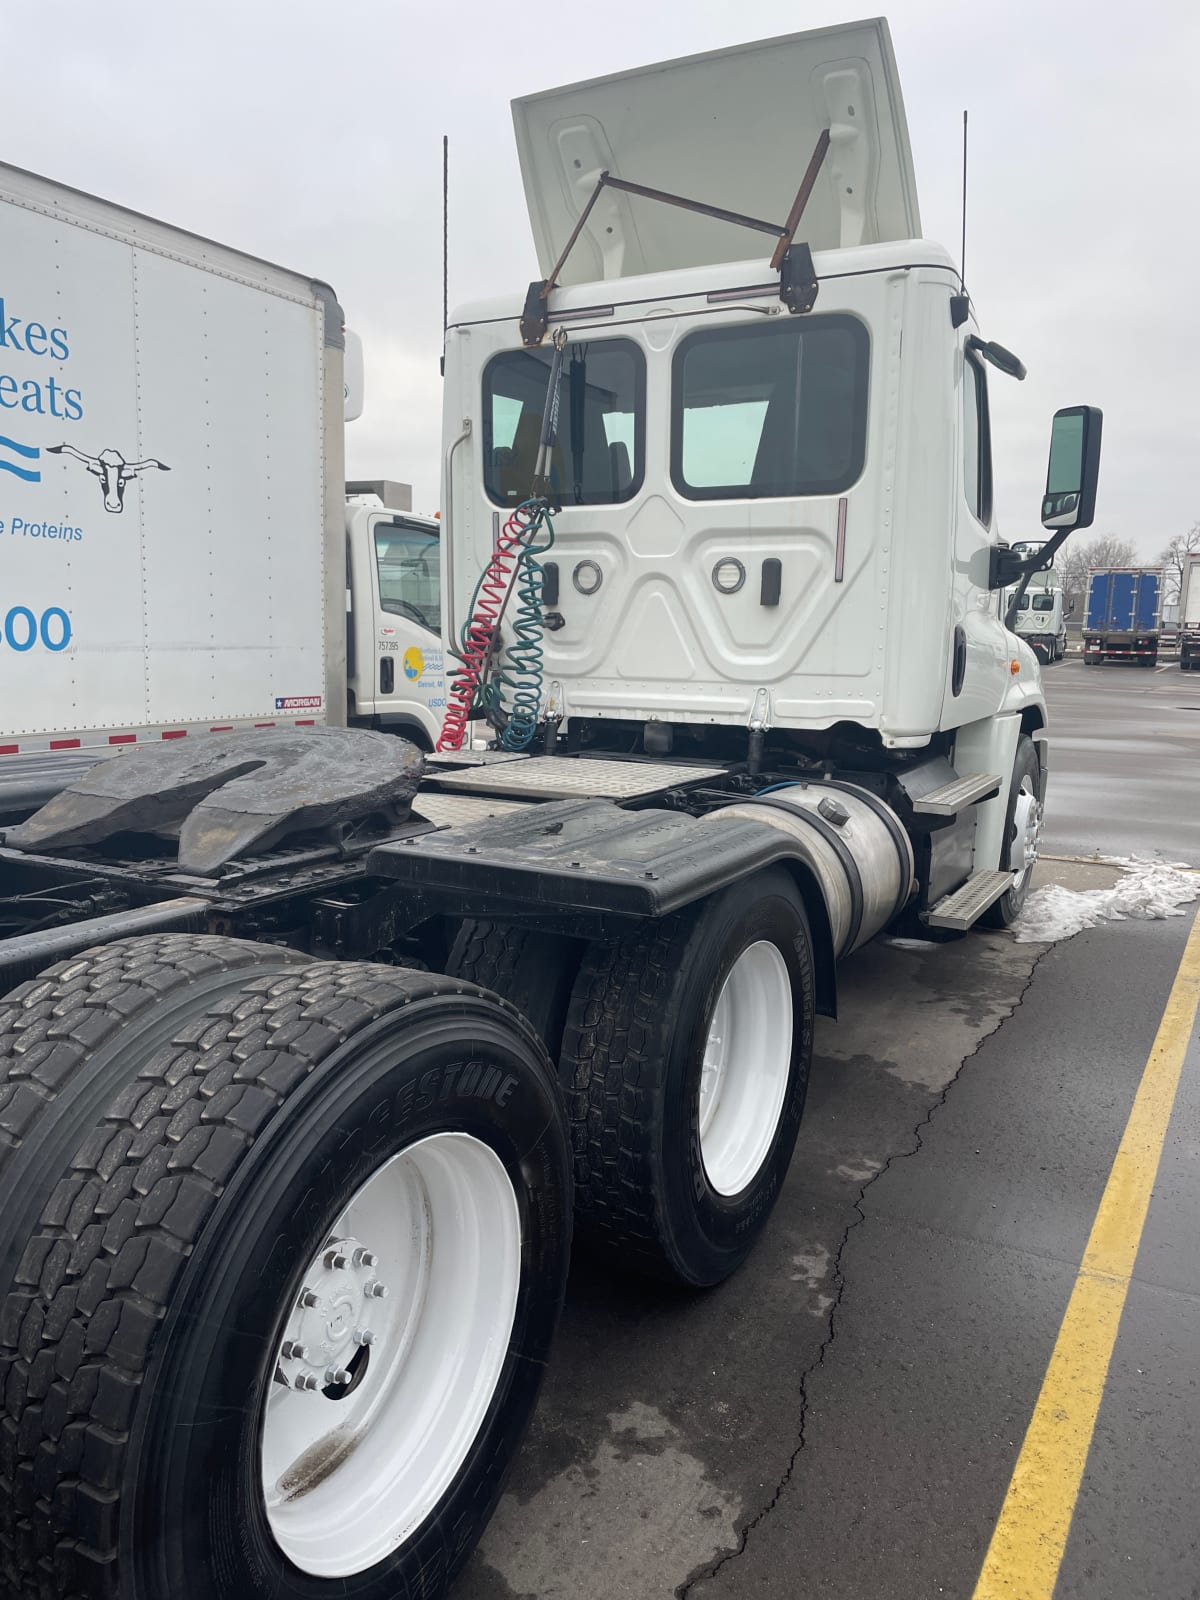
point(1122, 615)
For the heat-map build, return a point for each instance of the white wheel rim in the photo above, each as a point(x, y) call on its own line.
point(1027, 832)
point(747, 1059)
point(349, 1476)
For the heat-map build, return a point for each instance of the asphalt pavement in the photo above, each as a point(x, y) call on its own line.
point(844, 1416)
point(1125, 760)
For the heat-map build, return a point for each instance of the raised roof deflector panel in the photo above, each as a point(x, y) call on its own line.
point(734, 128)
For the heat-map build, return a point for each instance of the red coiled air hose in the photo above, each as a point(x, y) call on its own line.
point(490, 599)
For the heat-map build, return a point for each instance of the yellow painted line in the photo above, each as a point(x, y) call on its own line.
point(1029, 1539)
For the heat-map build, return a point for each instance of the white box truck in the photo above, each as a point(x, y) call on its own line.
point(176, 544)
point(1189, 614)
point(317, 1047)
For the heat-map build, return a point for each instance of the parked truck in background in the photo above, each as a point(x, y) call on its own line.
point(1121, 615)
point(179, 552)
point(1042, 622)
point(1042, 609)
point(319, 1049)
point(1189, 614)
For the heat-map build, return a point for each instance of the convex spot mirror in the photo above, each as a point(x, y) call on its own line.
point(1074, 470)
point(997, 356)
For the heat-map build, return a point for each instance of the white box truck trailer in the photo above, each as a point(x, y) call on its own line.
point(1189, 614)
point(317, 1045)
point(175, 538)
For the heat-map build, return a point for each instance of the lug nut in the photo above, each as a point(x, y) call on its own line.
point(307, 1381)
point(309, 1298)
point(336, 1376)
point(376, 1290)
point(365, 1258)
point(336, 1258)
point(363, 1336)
point(292, 1351)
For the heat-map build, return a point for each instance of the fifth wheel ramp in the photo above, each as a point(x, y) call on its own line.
point(230, 792)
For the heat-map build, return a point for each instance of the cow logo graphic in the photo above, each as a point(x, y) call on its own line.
point(111, 467)
point(27, 452)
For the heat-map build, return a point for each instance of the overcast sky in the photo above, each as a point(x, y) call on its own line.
point(311, 134)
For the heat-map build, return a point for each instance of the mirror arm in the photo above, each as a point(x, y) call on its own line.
point(1006, 568)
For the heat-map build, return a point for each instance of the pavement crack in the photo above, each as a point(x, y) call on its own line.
point(857, 1217)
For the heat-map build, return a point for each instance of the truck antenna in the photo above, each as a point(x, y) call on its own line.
point(962, 260)
point(445, 244)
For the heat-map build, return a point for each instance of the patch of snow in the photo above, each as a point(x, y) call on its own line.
point(1147, 890)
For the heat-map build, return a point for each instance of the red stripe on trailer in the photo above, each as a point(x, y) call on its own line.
point(174, 733)
point(10, 749)
point(226, 727)
point(64, 744)
point(309, 722)
point(264, 724)
point(122, 738)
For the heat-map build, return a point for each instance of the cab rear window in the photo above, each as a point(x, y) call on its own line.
point(770, 410)
point(598, 459)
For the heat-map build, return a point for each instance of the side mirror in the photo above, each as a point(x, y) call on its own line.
point(1074, 470)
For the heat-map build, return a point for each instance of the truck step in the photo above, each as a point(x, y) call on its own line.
point(965, 906)
point(954, 797)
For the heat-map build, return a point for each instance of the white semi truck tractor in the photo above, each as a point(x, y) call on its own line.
point(315, 1050)
point(1040, 609)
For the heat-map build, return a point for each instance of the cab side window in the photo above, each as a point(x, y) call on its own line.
point(409, 574)
point(977, 442)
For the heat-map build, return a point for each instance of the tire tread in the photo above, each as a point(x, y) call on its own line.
point(609, 1064)
point(93, 1284)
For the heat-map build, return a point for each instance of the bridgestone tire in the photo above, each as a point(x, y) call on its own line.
point(139, 1332)
point(534, 971)
point(1008, 908)
point(630, 1068)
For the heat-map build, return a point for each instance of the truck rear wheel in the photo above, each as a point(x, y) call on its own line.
point(685, 1064)
point(282, 1319)
point(1022, 832)
point(535, 971)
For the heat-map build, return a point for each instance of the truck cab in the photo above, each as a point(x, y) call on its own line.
point(772, 479)
point(394, 663)
point(1041, 609)
point(1042, 623)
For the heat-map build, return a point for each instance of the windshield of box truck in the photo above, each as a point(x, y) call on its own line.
point(409, 573)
